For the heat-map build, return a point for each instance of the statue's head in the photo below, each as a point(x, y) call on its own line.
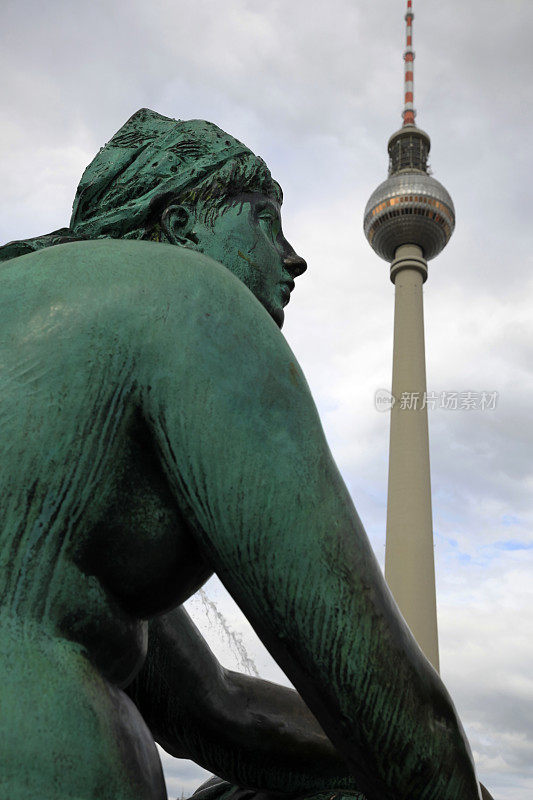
point(190, 184)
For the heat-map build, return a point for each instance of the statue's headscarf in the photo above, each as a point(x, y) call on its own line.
point(150, 158)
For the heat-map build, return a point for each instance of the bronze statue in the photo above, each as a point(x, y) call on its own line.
point(156, 428)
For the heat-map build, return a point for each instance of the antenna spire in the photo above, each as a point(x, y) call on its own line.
point(409, 112)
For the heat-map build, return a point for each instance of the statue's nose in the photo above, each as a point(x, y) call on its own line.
point(295, 265)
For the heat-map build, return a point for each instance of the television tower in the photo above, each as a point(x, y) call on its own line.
point(408, 221)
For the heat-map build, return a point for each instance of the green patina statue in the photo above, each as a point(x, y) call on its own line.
point(156, 428)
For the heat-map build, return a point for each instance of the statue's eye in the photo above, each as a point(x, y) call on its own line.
point(270, 219)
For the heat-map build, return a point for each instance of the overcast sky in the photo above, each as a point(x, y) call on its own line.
point(316, 90)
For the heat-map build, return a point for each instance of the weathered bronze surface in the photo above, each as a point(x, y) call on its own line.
point(156, 428)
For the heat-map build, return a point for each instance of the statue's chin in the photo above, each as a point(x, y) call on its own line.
point(278, 315)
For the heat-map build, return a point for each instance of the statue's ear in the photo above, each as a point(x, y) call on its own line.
point(177, 225)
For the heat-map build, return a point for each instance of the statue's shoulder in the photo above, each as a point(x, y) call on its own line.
point(129, 283)
point(120, 269)
point(103, 260)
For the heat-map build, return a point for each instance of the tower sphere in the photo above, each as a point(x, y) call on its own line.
point(410, 207)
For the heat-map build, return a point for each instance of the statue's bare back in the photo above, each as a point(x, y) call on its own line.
point(162, 428)
point(93, 542)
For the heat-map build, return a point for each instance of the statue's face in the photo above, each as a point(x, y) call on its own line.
point(247, 238)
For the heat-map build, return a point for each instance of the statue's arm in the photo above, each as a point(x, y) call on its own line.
point(242, 446)
point(197, 709)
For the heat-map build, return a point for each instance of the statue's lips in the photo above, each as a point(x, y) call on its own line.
point(286, 289)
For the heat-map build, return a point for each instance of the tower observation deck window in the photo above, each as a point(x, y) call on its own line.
point(408, 152)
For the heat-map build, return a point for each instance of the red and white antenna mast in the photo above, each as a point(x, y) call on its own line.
point(409, 112)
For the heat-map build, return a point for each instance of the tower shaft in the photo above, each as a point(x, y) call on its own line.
point(409, 557)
